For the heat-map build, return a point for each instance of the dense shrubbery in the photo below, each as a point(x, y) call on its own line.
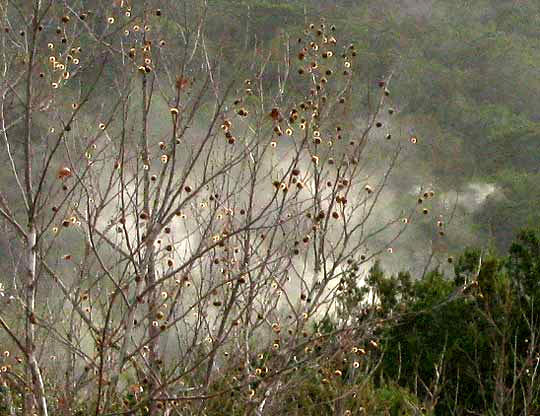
point(462, 344)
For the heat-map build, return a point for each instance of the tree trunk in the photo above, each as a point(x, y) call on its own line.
point(33, 373)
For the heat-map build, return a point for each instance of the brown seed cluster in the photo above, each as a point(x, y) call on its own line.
point(226, 127)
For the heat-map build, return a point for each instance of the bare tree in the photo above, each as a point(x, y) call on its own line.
point(190, 226)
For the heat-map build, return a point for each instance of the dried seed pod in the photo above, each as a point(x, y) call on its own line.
point(274, 114)
point(181, 83)
point(64, 172)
